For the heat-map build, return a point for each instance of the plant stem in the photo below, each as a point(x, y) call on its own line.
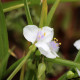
point(64, 62)
point(20, 65)
point(13, 7)
point(43, 14)
point(31, 2)
point(27, 13)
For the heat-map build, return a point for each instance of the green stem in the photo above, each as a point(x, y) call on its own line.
point(64, 62)
point(13, 7)
point(20, 4)
point(22, 72)
point(52, 11)
point(20, 65)
point(11, 68)
point(43, 14)
point(27, 12)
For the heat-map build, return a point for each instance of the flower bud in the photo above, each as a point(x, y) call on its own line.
point(41, 69)
point(37, 53)
point(70, 74)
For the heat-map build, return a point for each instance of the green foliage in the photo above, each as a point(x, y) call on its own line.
point(12, 67)
point(16, 22)
point(64, 62)
point(77, 60)
point(43, 14)
point(3, 43)
point(27, 13)
point(31, 65)
point(51, 12)
point(41, 70)
point(17, 4)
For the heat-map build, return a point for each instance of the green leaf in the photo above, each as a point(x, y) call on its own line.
point(8, 6)
point(52, 11)
point(21, 64)
point(3, 43)
point(63, 77)
point(12, 67)
point(43, 14)
point(27, 12)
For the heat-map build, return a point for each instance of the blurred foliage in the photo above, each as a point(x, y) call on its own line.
point(15, 20)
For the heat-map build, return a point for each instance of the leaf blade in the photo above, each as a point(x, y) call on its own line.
point(3, 42)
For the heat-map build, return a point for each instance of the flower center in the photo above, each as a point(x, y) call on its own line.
point(54, 45)
point(40, 35)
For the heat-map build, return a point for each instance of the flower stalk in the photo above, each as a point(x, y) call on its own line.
point(21, 64)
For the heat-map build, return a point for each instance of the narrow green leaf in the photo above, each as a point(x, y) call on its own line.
point(22, 72)
point(52, 11)
point(27, 12)
point(12, 67)
point(3, 43)
point(43, 14)
point(66, 20)
point(21, 64)
point(63, 77)
point(8, 6)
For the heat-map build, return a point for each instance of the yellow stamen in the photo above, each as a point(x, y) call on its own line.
point(39, 36)
point(59, 43)
point(44, 33)
point(54, 38)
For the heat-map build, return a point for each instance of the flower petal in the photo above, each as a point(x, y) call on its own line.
point(45, 50)
point(30, 32)
point(53, 46)
point(77, 44)
point(78, 71)
point(48, 34)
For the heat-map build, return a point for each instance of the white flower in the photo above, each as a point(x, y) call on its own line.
point(42, 37)
point(49, 49)
point(78, 71)
point(32, 33)
point(77, 44)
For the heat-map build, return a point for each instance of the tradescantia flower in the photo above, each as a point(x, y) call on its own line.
point(77, 44)
point(43, 38)
point(50, 49)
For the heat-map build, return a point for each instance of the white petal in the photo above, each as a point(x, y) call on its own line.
point(45, 50)
point(30, 32)
point(48, 34)
point(55, 53)
point(78, 71)
point(77, 44)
